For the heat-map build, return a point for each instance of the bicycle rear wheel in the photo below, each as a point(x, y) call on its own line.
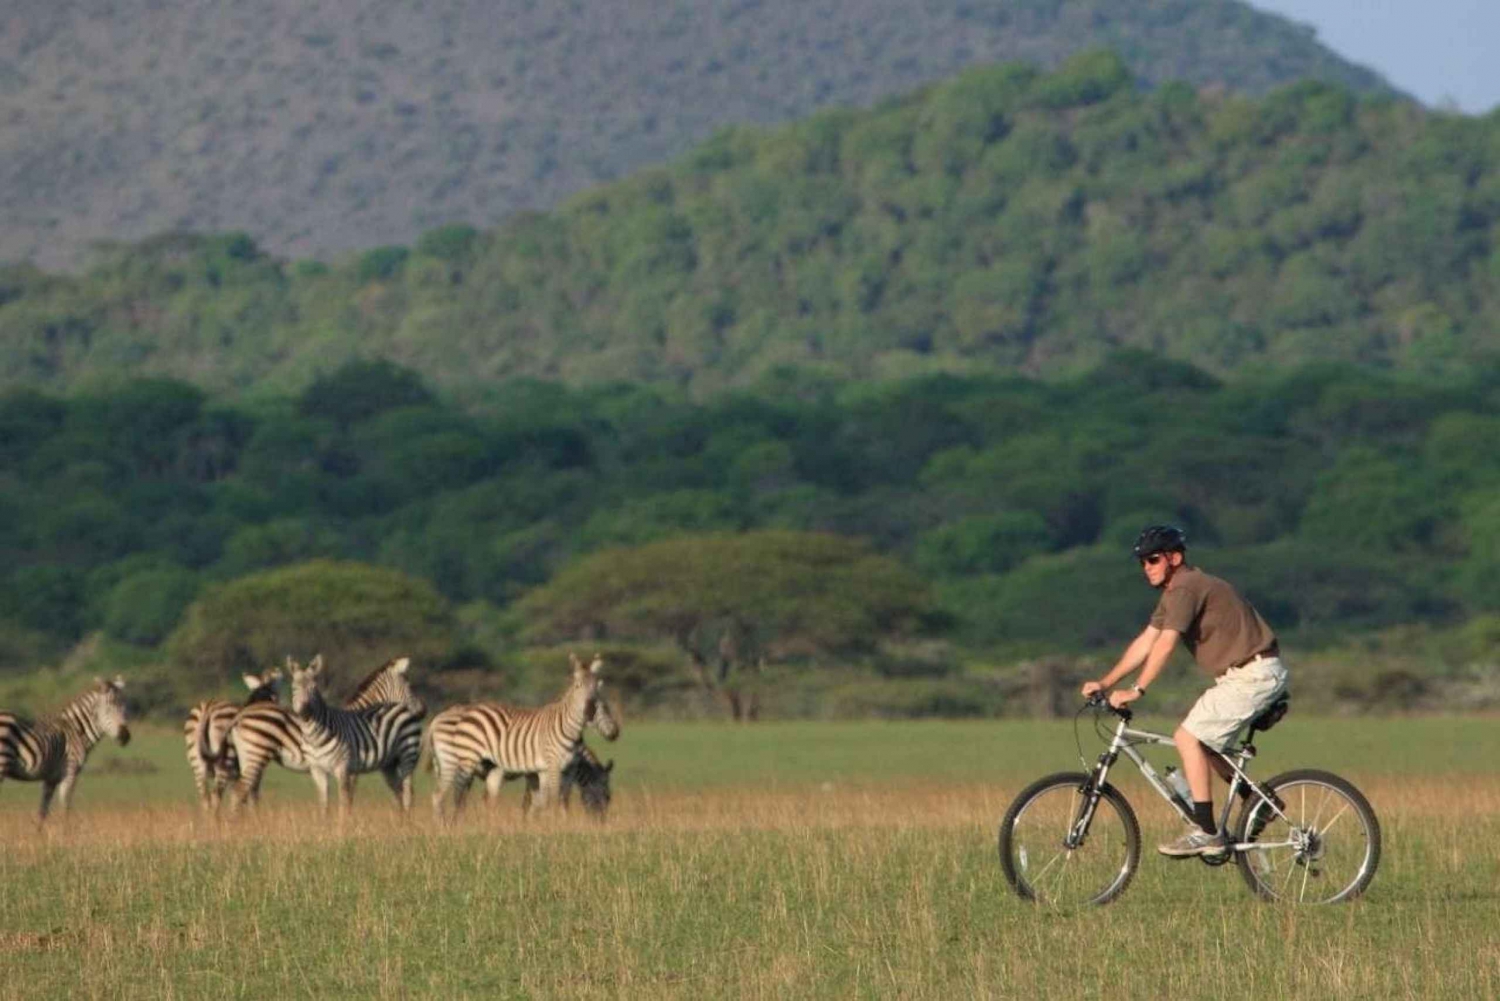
point(1037, 860)
point(1323, 851)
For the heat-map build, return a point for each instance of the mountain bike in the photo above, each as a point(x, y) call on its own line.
point(1305, 836)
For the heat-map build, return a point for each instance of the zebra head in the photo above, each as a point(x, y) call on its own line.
point(593, 784)
point(262, 686)
point(587, 693)
point(603, 718)
point(109, 708)
point(305, 692)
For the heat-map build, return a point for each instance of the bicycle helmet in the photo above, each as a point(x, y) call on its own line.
point(1159, 539)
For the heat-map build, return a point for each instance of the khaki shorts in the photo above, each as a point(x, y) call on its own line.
point(1239, 695)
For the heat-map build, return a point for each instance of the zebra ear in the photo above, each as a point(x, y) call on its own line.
point(573, 659)
point(119, 681)
point(597, 665)
point(316, 667)
point(401, 665)
point(252, 682)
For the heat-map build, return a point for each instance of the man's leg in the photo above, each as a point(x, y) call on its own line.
point(1196, 760)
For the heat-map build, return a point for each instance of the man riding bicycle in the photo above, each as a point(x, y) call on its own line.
point(1229, 640)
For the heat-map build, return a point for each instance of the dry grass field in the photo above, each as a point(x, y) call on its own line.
point(782, 860)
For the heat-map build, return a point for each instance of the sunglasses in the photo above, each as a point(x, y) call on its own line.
point(1153, 559)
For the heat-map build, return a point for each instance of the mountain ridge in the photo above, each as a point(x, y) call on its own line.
point(354, 124)
point(1007, 220)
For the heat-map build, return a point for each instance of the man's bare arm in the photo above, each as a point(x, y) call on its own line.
point(1135, 654)
point(1161, 651)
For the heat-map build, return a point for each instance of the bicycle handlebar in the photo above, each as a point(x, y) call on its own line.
point(1101, 701)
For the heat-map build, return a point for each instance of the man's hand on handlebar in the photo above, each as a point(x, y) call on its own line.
point(1094, 693)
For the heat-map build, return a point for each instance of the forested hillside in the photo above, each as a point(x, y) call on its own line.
point(1008, 220)
point(347, 124)
point(959, 521)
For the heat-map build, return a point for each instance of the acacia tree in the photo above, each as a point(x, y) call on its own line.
point(733, 603)
point(355, 614)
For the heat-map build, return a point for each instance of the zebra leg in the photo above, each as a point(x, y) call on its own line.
point(48, 789)
point(200, 779)
point(493, 780)
point(65, 790)
point(320, 779)
point(548, 781)
point(345, 782)
point(461, 783)
point(443, 774)
point(400, 785)
point(247, 786)
point(531, 787)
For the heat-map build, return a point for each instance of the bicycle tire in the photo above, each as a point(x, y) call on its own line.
point(1273, 874)
point(1116, 855)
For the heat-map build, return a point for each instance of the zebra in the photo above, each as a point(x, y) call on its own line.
point(587, 772)
point(213, 764)
point(52, 750)
point(264, 732)
point(341, 743)
point(495, 741)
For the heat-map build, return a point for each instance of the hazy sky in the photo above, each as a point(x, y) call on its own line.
point(1439, 51)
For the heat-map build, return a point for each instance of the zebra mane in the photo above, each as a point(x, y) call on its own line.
point(371, 679)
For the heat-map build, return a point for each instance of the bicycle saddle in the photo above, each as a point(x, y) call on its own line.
point(1272, 715)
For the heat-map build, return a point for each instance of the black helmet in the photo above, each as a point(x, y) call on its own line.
point(1159, 539)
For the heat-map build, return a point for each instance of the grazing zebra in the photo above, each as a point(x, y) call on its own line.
point(52, 750)
point(482, 738)
point(342, 743)
point(587, 772)
point(214, 764)
point(264, 732)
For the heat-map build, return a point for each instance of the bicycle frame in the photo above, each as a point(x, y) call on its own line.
point(1125, 740)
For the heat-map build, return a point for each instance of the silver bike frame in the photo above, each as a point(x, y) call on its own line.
point(1125, 739)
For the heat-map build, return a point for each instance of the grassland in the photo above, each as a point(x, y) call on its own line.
point(832, 860)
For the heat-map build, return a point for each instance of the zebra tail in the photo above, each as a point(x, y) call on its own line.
point(206, 753)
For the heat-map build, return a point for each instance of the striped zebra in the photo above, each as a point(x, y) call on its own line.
point(52, 750)
point(341, 743)
point(494, 741)
point(587, 772)
point(264, 732)
point(214, 764)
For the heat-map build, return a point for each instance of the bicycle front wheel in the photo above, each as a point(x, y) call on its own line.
point(1322, 849)
point(1051, 856)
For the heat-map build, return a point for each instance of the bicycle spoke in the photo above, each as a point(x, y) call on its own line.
point(1291, 870)
point(1042, 873)
point(1035, 840)
point(1329, 826)
point(1322, 802)
point(1337, 858)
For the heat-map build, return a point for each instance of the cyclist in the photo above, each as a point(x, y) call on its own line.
point(1229, 640)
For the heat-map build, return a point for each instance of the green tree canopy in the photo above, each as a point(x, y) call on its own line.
point(356, 615)
point(732, 603)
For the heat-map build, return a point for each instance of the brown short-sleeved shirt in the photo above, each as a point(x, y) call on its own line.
point(1220, 627)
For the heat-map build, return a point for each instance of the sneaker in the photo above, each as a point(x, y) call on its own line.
point(1195, 841)
point(1263, 817)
